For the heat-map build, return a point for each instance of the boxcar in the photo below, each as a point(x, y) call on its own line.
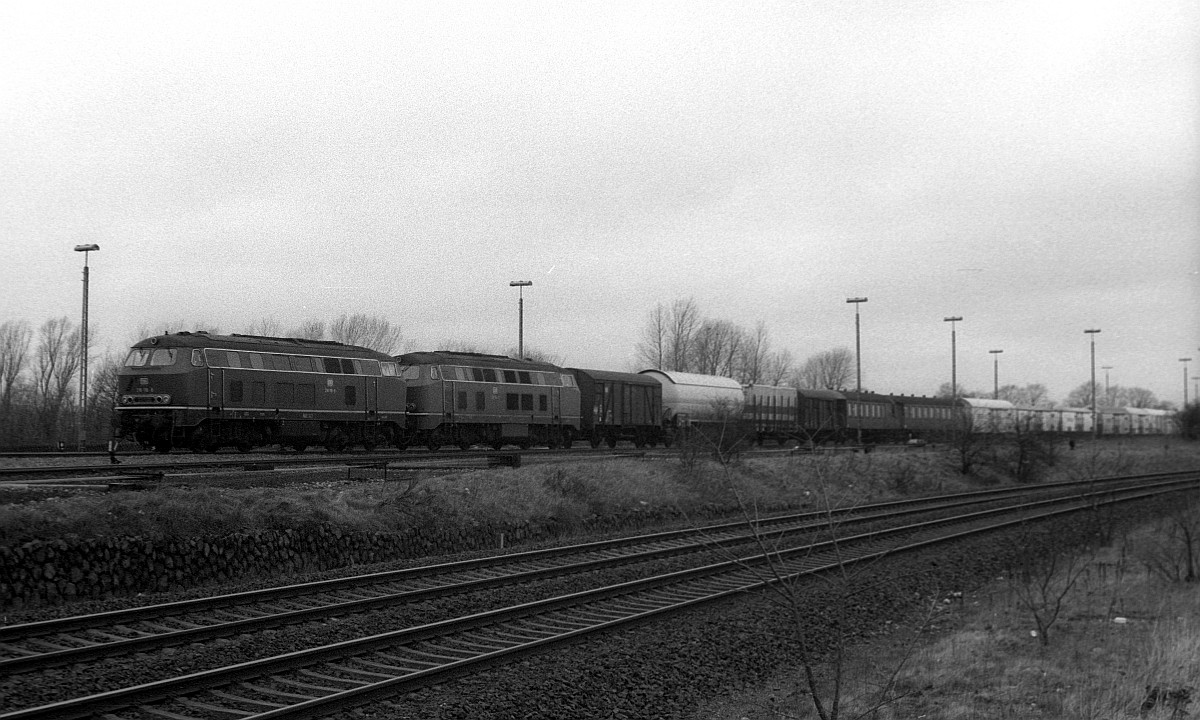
point(771, 413)
point(466, 399)
point(984, 415)
point(822, 416)
point(205, 391)
point(617, 406)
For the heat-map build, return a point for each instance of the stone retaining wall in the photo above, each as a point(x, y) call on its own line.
point(58, 571)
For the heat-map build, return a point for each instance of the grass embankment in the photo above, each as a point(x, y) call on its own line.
point(571, 497)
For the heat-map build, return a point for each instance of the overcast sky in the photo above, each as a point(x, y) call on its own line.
point(1029, 166)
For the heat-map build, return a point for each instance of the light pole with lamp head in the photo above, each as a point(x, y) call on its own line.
point(81, 430)
point(953, 358)
point(1185, 361)
point(1095, 426)
point(995, 373)
point(520, 285)
point(857, 364)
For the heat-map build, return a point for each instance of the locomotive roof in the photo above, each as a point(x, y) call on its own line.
point(260, 343)
point(470, 359)
point(631, 378)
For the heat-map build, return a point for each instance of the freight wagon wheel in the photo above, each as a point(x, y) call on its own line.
point(611, 441)
point(594, 442)
point(243, 446)
point(299, 447)
point(497, 444)
point(464, 444)
point(433, 445)
point(162, 445)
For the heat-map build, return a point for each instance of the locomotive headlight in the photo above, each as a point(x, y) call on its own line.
point(126, 399)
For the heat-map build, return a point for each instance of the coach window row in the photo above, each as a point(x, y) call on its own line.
point(514, 377)
point(295, 363)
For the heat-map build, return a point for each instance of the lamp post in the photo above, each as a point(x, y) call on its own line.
point(953, 358)
point(1185, 361)
point(1095, 426)
point(995, 373)
point(857, 365)
point(81, 430)
point(1108, 400)
point(520, 285)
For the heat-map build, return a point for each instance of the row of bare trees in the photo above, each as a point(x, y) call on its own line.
point(39, 390)
point(679, 338)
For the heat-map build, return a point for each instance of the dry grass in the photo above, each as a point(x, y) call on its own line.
point(1127, 646)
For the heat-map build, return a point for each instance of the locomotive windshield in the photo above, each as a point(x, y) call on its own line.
point(143, 357)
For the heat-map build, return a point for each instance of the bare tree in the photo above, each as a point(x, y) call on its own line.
point(268, 327)
point(683, 322)
point(310, 329)
point(57, 361)
point(369, 331)
point(778, 367)
point(828, 370)
point(755, 353)
point(652, 347)
point(14, 351)
point(713, 347)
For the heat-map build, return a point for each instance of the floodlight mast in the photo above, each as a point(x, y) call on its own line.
point(81, 426)
point(520, 285)
point(857, 365)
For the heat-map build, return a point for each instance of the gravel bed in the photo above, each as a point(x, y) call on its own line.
point(659, 670)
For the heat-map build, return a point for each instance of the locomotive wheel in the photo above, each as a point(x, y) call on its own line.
point(336, 441)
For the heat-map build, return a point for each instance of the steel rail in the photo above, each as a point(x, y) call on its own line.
point(38, 645)
point(356, 671)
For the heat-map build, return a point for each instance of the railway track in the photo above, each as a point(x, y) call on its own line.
point(319, 680)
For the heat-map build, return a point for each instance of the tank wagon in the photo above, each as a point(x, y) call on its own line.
point(204, 392)
point(465, 399)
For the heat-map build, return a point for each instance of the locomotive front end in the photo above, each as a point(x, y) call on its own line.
point(158, 387)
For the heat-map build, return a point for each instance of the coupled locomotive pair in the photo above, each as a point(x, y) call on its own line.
point(202, 391)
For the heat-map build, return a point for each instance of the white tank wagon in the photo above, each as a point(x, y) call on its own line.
point(691, 398)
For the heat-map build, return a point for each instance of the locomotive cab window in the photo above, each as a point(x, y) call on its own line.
point(332, 365)
point(510, 376)
point(197, 358)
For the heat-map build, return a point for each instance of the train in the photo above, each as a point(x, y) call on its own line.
point(203, 392)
